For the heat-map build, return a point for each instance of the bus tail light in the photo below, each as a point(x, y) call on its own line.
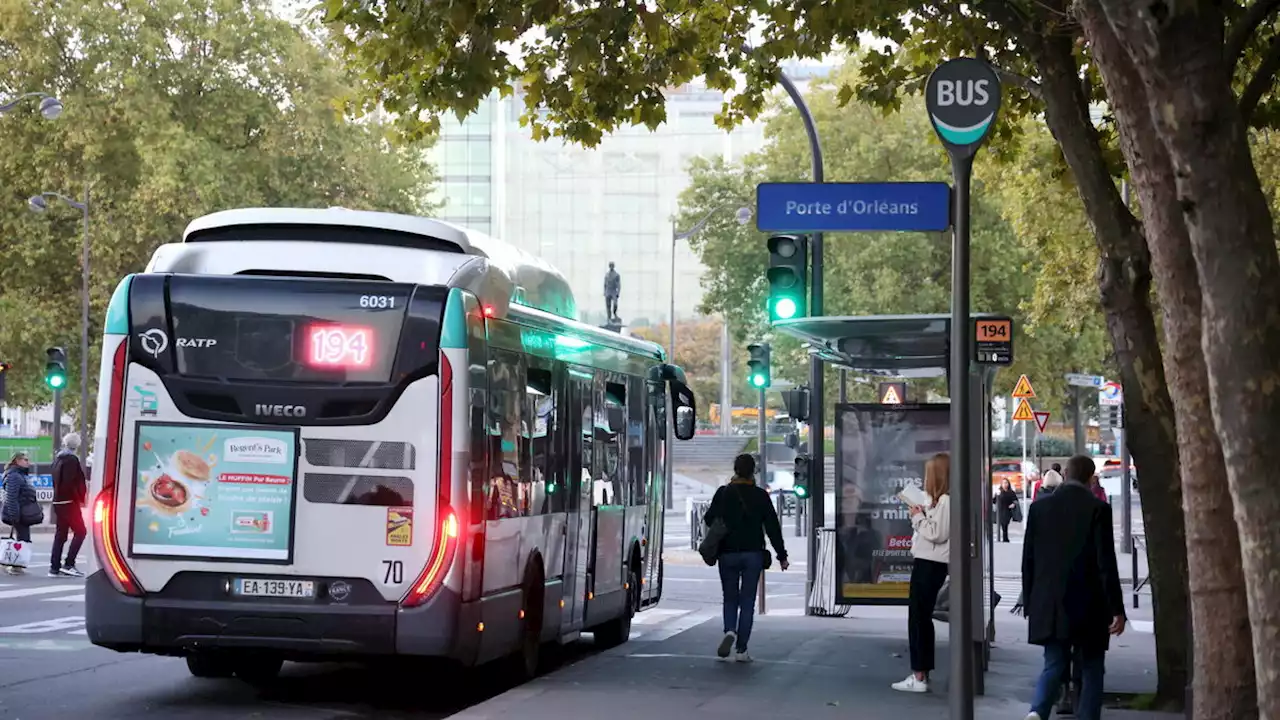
point(433, 575)
point(105, 544)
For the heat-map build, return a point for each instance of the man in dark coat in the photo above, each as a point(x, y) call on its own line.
point(1072, 588)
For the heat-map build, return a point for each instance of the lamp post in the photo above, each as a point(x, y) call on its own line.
point(743, 216)
point(50, 106)
point(40, 203)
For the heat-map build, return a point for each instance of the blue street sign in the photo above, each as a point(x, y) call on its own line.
point(42, 481)
point(853, 207)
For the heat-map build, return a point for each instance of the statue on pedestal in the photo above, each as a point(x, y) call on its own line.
point(612, 289)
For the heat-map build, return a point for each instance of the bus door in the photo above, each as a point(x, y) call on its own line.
point(578, 484)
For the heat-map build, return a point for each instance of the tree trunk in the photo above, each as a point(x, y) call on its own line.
point(1124, 283)
point(1178, 52)
point(1224, 682)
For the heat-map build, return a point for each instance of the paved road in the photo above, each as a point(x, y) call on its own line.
point(48, 669)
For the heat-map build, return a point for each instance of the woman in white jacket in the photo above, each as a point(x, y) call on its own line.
point(931, 547)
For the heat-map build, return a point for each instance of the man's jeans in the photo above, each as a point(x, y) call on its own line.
point(1056, 658)
point(739, 578)
point(69, 520)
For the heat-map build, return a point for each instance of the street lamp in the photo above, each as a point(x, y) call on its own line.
point(40, 203)
point(50, 106)
point(743, 216)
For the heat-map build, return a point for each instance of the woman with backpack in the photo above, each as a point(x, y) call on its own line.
point(746, 513)
point(21, 504)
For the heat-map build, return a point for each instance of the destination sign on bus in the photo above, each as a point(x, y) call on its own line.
point(344, 346)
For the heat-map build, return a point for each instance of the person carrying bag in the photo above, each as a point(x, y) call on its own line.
point(21, 511)
point(741, 514)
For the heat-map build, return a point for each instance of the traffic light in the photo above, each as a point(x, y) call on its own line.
point(5, 367)
point(55, 369)
point(788, 276)
point(758, 365)
point(801, 474)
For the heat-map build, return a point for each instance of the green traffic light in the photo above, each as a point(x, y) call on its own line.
point(56, 381)
point(758, 380)
point(785, 308)
point(801, 491)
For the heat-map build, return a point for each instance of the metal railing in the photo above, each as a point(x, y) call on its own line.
point(1139, 542)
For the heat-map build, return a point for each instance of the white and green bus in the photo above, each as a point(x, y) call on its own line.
point(333, 434)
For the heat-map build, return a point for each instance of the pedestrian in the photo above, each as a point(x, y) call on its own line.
point(747, 512)
point(1072, 588)
point(1098, 491)
point(1006, 502)
point(70, 491)
point(21, 506)
point(1052, 478)
point(931, 548)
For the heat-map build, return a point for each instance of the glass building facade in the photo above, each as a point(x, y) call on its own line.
point(581, 209)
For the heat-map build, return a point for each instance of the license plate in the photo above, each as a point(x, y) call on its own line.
point(252, 587)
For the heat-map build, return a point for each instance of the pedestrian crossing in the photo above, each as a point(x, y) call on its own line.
point(67, 593)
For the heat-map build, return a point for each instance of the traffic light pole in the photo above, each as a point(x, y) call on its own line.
point(762, 438)
point(817, 425)
point(83, 411)
point(57, 421)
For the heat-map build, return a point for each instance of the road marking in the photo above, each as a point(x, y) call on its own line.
point(63, 645)
point(45, 626)
point(656, 615)
point(677, 626)
point(37, 590)
point(69, 598)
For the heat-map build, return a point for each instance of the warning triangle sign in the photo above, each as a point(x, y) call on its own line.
point(1024, 411)
point(891, 396)
point(1042, 419)
point(1023, 389)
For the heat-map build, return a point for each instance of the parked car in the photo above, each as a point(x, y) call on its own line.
point(1018, 473)
point(1112, 478)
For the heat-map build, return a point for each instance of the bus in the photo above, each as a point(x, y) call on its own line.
point(330, 434)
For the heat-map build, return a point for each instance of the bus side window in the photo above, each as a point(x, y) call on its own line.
point(478, 361)
point(637, 407)
point(506, 392)
point(539, 409)
point(614, 441)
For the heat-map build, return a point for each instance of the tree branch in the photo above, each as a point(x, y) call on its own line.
point(1012, 78)
point(1244, 28)
point(1262, 79)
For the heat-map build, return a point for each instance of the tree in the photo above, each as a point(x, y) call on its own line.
point(887, 273)
point(173, 109)
point(1186, 130)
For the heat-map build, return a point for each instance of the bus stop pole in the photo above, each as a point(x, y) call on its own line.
point(762, 479)
point(962, 596)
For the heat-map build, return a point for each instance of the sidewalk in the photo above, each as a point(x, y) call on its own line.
point(805, 669)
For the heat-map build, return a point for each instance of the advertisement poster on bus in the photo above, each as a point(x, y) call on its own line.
point(214, 491)
point(880, 449)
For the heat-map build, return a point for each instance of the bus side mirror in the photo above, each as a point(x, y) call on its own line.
point(684, 423)
point(686, 408)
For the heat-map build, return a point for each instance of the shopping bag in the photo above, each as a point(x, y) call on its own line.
point(942, 606)
point(15, 553)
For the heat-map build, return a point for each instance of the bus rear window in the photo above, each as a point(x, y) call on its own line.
point(293, 330)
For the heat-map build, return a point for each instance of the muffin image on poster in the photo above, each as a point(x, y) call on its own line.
point(216, 491)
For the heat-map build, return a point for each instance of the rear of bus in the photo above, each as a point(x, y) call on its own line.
point(275, 470)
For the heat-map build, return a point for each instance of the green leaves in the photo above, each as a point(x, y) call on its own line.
point(174, 109)
point(1029, 236)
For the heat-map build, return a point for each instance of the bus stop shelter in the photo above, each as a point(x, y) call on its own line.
point(865, 559)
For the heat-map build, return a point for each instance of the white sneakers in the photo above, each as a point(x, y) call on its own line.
point(1033, 715)
point(726, 644)
point(912, 685)
point(725, 649)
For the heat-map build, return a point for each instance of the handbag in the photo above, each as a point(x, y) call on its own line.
point(15, 553)
point(942, 607)
point(1017, 512)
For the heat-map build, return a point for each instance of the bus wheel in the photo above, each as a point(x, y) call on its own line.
point(258, 669)
point(531, 640)
point(618, 631)
point(210, 665)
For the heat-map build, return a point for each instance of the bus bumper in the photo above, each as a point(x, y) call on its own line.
point(186, 617)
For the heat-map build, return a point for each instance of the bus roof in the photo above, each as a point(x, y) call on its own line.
point(535, 282)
